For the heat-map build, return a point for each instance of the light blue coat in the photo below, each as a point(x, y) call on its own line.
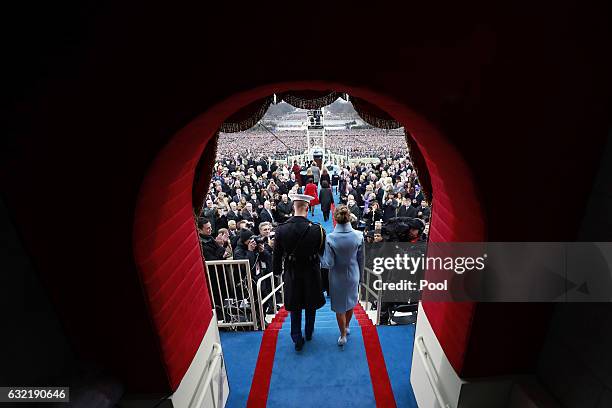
point(344, 258)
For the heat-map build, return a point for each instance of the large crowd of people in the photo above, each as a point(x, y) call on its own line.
point(249, 196)
point(277, 144)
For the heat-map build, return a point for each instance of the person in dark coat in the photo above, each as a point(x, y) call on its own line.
point(260, 261)
point(266, 214)
point(246, 248)
point(389, 207)
point(418, 196)
point(406, 209)
point(325, 177)
point(423, 211)
point(353, 207)
point(298, 247)
point(372, 214)
point(346, 189)
point(248, 214)
point(326, 198)
point(284, 209)
point(212, 251)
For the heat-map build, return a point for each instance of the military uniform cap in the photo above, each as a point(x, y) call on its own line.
point(300, 197)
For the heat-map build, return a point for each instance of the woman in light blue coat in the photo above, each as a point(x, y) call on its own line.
point(344, 258)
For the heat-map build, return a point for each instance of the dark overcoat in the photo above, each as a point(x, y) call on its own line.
point(326, 199)
point(305, 241)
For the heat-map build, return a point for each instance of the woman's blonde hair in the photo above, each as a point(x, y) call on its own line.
point(342, 214)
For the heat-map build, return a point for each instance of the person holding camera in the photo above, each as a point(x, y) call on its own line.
point(223, 239)
point(372, 215)
point(246, 246)
point(249, 214)
point(253, 248)
point(390, 206)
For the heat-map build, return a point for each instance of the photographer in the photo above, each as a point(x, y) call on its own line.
point(372, 215)
point(235, 236)
point(253, 248)
point(390, 206)
point(415, 233)
point(223, 239)
point(353, 207)
point(221, 215)
point(405, 229)
point(249, 215)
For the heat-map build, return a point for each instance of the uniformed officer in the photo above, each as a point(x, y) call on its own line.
point(298, 247)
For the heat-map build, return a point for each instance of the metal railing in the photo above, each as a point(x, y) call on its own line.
point(272, 295)
point(206, 383)
point(370, 294)
point(230, 286)
point(430, 370)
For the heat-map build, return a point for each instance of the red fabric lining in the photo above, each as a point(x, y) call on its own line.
point(182, 264)
point(165, 231)
point(182, 252)
point(260, 387)
point(170, 302)
point(171, 253)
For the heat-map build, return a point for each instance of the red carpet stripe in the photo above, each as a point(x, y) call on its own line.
point(383, 393)
point(260, 387)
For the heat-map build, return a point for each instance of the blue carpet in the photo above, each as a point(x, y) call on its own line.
point(322, 374)
point(240, 350)
point(397, 343)
point(318, 216)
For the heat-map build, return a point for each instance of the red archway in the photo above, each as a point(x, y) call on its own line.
point(166, 246)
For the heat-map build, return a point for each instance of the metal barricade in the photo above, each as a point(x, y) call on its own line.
point(272, 295)
point(370, 295)
point(231, 292)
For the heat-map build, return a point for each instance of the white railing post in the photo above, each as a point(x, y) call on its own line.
point(206, 382)
point(377, 296)
point(231, 314)
point(261, 300)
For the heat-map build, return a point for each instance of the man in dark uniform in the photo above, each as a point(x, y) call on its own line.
point(298, 246)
